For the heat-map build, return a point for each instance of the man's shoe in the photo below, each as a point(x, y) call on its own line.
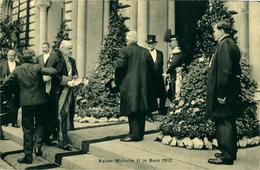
point(127, 139)
point(25, 160)
point(130, 139)
point(38, 151)
point(219, 161)
point(219, 155)
point(149, 119)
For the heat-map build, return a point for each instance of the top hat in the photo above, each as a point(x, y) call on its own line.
point(168, 36)
point(151, 39)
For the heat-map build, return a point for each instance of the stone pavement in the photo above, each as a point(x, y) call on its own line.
point(97, 146)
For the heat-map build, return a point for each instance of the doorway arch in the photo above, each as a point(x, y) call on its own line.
point(187, 15)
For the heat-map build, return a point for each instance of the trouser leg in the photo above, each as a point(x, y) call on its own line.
point(40, 125)
point(63, 131)
point(137, 125)
point(227, 138)
point(141, 121)
point(28, 128)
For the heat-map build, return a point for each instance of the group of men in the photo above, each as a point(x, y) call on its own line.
point(46, 94)
point(139, 71)
point(44, 86)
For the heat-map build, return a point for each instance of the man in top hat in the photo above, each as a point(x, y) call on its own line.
point(157, 57)
point(174, 61)
point(32, 100)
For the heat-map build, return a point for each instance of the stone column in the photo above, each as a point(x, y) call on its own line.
point(81, 38)
point(142, 22)
point(43, 5)
point(133, 15)
point(1, 8)
point(74, 27)
point(171, 15)
point(244, 27)
point(254, 45)
point(241, 22)
point(106, 17)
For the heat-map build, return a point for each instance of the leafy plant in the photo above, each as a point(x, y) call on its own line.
point(94, 99)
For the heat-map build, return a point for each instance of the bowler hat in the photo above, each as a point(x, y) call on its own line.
point(151, 39)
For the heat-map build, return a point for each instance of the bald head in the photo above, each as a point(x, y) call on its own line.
point(131, 37)
point(11, 55)
point(66, 48)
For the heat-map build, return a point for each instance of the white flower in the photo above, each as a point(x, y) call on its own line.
point(173, 142)
point(188, 143)
point(113, 119)
point(243, 142)
point(201, 59)
point(166, 139)
point(207, 143)
point(215, 142)
point(103, 119)
point(197, 143)
point(180, 143)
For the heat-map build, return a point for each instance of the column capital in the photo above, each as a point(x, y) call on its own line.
point(43, 4)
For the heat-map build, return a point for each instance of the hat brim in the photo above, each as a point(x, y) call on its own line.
point(150, 42)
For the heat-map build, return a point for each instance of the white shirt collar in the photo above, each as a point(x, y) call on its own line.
point(45, 57)
point(222, 38)
point(153, 54)
point(176, 50)
point(11, 66)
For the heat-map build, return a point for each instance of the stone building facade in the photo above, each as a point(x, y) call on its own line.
point(88, 20)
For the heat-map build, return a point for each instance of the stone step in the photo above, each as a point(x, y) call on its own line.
point(154, 154)
point(11, 151)
point(5, 166)
point(82, 138)
point(132, 155)
point(74, 159)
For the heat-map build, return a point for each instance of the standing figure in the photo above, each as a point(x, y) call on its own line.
point(223, 91)
point(134, 75)
point(174, 62)
point(49, 109)
point(62, 94)
point(32, 100)
point(157, 57)
point(6, 68)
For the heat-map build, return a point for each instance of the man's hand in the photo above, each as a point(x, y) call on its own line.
point(46, 78)
point(222, 100)
point(70, 83)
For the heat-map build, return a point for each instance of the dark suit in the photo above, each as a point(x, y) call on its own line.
point(13, 102)
point(49, 107)
point(59, 82)
point(39, 60)
point(175, 60)
point(223, 81)
point(160, 89)
point(32, 99)
point(134, 74)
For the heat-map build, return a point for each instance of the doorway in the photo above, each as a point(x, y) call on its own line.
point(187, 15)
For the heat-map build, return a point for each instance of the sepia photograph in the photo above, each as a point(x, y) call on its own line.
point(130, 84)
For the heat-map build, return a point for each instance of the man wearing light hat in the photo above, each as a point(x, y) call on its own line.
point(157, 57)
point(32, 99)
